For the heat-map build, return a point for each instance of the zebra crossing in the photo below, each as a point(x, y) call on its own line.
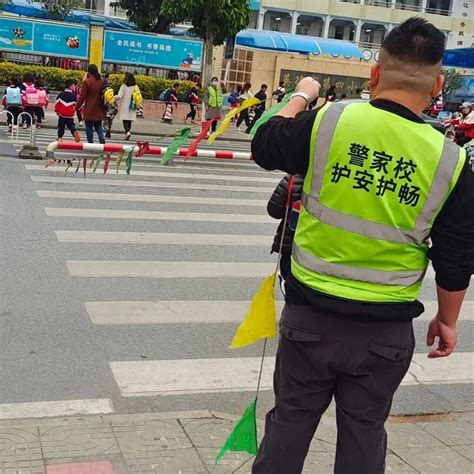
point(196, 239)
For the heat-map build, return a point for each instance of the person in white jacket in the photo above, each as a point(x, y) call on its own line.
point(127, 113)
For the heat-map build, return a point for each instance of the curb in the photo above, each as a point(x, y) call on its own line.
point(149, 134)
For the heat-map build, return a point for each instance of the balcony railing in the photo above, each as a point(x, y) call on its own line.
point(412, 8)
point(368, 45)
point(439, 11)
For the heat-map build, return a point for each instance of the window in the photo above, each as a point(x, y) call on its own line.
point(240, 68)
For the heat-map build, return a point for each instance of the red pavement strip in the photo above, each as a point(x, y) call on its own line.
point(97, 467)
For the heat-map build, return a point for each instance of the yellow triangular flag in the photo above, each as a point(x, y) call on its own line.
point(251, 101)
point(260, 321)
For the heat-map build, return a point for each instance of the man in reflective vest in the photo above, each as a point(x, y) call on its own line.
point(380, 184)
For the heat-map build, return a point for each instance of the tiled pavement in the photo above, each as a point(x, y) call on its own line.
point(187, 443)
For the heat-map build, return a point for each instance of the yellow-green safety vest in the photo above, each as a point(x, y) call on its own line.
point(215, 96)
point(375, 184)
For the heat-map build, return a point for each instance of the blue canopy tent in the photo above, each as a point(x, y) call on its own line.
point(461, 58)
point(285, 42)
point(34, 10)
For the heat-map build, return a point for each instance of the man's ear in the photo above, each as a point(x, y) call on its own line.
point(374, 78)
point(438, 86)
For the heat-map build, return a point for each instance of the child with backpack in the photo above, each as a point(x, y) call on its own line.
point(65, 108)
point(32, 100)
point(14, 102)
point(130, 101)
point(170, 97)
point(43, 101)
point(193, 100)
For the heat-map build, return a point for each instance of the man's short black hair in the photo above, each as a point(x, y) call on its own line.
point(263, 86)
point(69, 83)
point(416, 41)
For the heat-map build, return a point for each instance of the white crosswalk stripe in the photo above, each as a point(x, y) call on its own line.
point(146, 216)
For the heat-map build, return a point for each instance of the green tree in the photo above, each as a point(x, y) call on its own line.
point(145, 14)
point(58, 9)
point(452, 81)
point(212, 21)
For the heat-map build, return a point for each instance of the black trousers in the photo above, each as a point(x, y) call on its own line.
point(320, 356)
point(64, 122)
point(192, 112)
point(15, 110)
point(257, 115)
point(127, 125)
point(244, 117)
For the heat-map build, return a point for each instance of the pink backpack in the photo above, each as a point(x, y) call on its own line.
point(42, 98)
point(31, 95)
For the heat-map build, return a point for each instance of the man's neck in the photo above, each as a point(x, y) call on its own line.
point(415, 104)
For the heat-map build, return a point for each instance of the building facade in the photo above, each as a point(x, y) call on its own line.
point(365, 22)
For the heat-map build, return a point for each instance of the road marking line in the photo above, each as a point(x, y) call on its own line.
point(157, 215)
point(191, 376)
point(163, 238)
point(146, 269)
point(151, 198)
point(168, 312)
point(149, 184)
point(56, 408)
point(190, 175)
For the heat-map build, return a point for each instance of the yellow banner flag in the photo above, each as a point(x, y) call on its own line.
point(260, 321)
point(250, 102)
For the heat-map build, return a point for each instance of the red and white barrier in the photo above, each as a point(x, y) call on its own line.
point(153, 150)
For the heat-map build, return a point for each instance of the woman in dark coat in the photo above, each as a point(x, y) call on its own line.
point(276, 208)
point(93, 112)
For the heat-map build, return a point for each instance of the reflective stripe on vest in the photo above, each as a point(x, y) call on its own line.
point(440, 186)
point(369, 275)
point(215, 97)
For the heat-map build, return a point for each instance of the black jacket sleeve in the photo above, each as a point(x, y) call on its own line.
point(452, 236)
point(284, 143)
point(277, 204)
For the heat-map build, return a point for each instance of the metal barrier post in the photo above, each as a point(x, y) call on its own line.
point(31, 151)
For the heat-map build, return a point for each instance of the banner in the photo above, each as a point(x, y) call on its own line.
point(123, 47)
point(46, 38)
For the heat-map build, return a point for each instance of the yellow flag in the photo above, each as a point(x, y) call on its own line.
point(260, 321)
point(250, 102)
point(118, 161)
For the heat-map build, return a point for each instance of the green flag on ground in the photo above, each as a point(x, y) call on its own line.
point(128, 162)
point(244, 435)
point(268, 114)
point(177, 143)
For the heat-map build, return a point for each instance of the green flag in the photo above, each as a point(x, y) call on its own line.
point(99, 159)
point(178, 141)
point(128, 162)
point(268, 114)
point(244, 435)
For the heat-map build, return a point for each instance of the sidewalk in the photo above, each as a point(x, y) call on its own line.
point(187, 443)
point(155, 128)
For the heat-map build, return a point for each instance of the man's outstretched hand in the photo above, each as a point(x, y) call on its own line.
point(447, 338)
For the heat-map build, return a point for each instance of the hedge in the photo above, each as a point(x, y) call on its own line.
point(54, 78)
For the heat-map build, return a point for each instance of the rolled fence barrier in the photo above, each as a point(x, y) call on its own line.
point(152, 150)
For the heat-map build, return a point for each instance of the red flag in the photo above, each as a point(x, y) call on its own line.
point(202, 135)
point(143, 149)
point(106, 163)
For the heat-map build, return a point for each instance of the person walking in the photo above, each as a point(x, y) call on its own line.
point(373, 195)
point(93, 114)
point(280, 92)
point(31, 97)
point(77, 91)
point(261, 95)
point(14, 102)
point(213, 100)
point(170, 97)
point(244, 115)
point(43, 101)
point(65, 108)
point(464, 124)
point(127, 111)
point(193, 99)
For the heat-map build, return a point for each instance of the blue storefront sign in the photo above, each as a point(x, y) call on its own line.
point(152, 50)
point(45, 38)
point(255, 5)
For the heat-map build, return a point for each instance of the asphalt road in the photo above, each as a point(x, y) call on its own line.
point(69, 277)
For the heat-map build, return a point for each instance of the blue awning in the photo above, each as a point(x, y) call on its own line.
point(275, 41)
point(34, 10)
point(462, 58)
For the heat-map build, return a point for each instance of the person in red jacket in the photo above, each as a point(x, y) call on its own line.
point(65, 108)
point(464, 125)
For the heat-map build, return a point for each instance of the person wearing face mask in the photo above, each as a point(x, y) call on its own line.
point(213, 100)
